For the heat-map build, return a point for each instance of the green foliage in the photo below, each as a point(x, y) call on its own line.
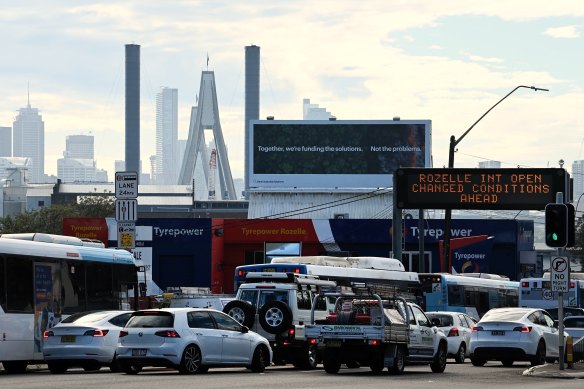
point(578, 249)
point(49, 220)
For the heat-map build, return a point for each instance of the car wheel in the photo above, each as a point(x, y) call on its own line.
point(260, 359)
point(539, 358)
point(275, 317)
point(242, 311)
point(478, 361)
point(399, 361)
point(307, 358)
point(191, 360)
point(56, 367)
point(15, 367)
point(331, 363)
point(376, 364)
point(114, 366)
point(129, 368)
point(460, 354)
point(507, 362)
point(439, 363)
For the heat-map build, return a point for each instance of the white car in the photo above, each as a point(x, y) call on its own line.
point(87, 340)
point(190, 340)
point(458, 327)
point(515, 334)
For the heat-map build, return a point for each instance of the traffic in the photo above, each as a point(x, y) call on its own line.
point(69, 304)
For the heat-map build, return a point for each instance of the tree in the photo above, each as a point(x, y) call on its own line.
point(49, 220)
point(578, 249)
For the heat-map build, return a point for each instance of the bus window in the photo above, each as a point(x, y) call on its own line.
point(455, 295)
point(19, 285)
point(73, 287)
point(2, 284)
point(99, 286)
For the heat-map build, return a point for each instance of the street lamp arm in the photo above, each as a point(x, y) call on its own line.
point(457, 141)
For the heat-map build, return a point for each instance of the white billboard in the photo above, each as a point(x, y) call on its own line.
point(322, 154)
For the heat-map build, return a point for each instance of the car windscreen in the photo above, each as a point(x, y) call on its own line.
point(445, 320)
point(504, 315)
point(78, 316)
point(151, 319)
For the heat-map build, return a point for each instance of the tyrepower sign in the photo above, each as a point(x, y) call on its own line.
point(497, 189)
point(126, 185)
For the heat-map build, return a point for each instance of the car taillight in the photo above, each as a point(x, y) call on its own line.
point(291, 333)
point(167, 334)
point(453, 332)
point(477, 328)
point(312, 341)
point(123, 333)
point(374, 342)
point(522, 329)
point(525, 284)
point(96, 333)
point(46, 334)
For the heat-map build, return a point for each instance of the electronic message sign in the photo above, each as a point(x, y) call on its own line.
point(497, 189)
point(334, 154)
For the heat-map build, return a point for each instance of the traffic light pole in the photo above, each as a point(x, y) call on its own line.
point(560, 250)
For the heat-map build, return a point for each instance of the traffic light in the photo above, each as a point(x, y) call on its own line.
point(556, 225)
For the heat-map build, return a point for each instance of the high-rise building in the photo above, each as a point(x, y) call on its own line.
point(5, 142)
point(76, 170)
point(314, 112)
point(578, 182)
point(79, 146)
point(29, 141)
point(166, 136)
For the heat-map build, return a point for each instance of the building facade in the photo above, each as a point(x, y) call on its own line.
point(29, 141)
point(166, 136)
point(79, 146)
point(5, 142)
point(578, 183)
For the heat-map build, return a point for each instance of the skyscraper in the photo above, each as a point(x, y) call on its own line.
point(490, 165)
point(79, 146)
point(578, 183)
point(311, 111)
point(166, 136)
point(29, 141)
point(5, 142)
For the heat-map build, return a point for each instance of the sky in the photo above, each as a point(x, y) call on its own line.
point(446, 61)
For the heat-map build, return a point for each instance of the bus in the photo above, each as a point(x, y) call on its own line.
point(471, 293)
point(43, 282)
point(536, 292)
point(343, 270)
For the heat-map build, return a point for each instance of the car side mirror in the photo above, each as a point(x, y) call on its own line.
point(556, 323)
point(244, 329)
point(435, 322)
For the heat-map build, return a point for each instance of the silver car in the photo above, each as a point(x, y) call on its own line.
point(87, 340)
point(458, 327)
point(190, 340)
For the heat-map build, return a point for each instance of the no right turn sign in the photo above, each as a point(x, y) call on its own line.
point(560, 274)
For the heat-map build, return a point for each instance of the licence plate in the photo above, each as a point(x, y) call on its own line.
point(68, 339)
point(497, 333)
point(334, 343)
point(138, 352)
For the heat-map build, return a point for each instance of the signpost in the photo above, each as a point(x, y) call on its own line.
point(126, 208)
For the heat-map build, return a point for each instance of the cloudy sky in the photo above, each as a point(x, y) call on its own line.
point(447, 61)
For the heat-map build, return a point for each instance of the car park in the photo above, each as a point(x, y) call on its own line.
point(515, 334)
point(87, 340)
point(190, 340)
point(458, 327)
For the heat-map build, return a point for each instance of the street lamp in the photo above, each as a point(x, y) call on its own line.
point(452, 148)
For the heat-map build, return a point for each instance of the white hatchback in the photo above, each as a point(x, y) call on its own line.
point(190, 340)
point(515, 334)
point(458, 327)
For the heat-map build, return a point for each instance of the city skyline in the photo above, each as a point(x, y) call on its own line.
point(444, 62)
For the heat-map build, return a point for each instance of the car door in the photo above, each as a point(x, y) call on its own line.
point(551, 335)
point(421, 339)
point(236, 344)
point(466, 329)
point(209, 338)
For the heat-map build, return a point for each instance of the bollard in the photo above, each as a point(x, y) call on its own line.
point(570, 352)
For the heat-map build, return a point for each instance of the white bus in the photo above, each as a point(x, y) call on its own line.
point(343, 270)
point(42, 282)
point(536, 292)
